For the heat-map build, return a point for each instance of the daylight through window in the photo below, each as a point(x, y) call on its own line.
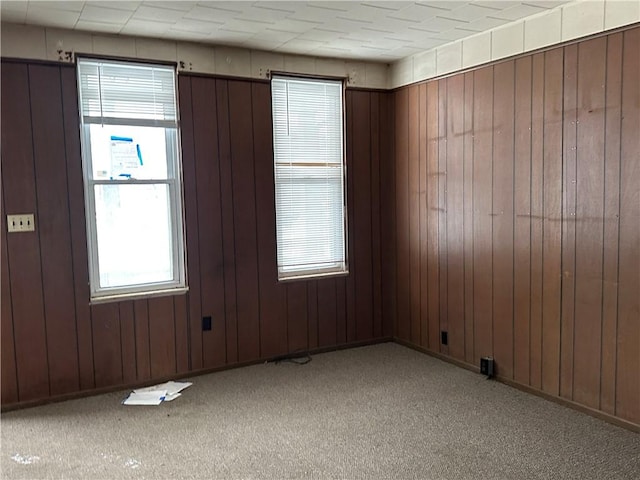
point(309, 176)
point(131, 165)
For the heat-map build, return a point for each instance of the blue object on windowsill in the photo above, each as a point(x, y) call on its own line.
point(139, 153)
point(126, 176)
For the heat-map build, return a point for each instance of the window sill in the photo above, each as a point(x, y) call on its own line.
point(313, 276)
point(121, 297)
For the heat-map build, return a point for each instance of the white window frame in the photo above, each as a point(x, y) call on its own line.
point(173, 181)
point(341, 267)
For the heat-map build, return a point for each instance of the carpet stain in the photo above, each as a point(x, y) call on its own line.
point(25, 459)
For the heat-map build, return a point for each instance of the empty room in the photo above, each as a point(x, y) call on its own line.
point(338, 239)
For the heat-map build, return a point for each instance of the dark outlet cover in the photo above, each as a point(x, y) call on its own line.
point(206, 323)
point(444, 338)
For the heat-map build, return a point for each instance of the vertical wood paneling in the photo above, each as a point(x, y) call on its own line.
point(544, 222)
point(273, 317)
point(443, 246)
point(414, 214)
point(611, 222)
point(430, 170)
point(423, 214)
point(569, 166)
point(551, 229)
point(589, 220)
point(162, 347)
point(77, 228)
point(228, 220)
point(537, 186)
point(312, 313)
point(226, 141)
point(53, 227)
point(361, 199)
point(244, 208)
point(327, 310)
point(341, 311)
point(483, 220)
point(502, 214)
point(387, 217)
point(209, 221)
point(403, 317)
point(9, 388)
point(522, 221)
point(374, 204)
point(128, 342)
point(107, 347)
point(297, 325)
point(180, 315)
point(19, 195)
point(628, 353)
point(143, 355)
point(350, 284)
point(468, 217)
point(433, 274)
point(190, 174)
point(454, 194)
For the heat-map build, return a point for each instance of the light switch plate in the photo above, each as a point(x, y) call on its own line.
point(23, 222)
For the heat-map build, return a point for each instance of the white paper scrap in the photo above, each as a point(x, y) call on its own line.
point(149, 389)
point(170, 396)
point(176, 387)
point(150, 397)
point(170, 387)
point(156, 394)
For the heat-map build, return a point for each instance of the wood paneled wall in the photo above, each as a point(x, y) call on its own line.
point(500, 205)
point(518, 219)
point(54, 342)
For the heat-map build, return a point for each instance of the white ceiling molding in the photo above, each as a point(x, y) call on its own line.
point(33, 42)
point(378, 31)
point(563, 23)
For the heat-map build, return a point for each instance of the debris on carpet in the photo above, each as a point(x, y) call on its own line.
point(155, 395)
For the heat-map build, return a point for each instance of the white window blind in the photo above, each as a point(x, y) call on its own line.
point(126, 91)
point(133, 189)
point(309, 176)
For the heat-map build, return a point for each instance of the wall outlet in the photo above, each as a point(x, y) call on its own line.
point(487, 366)
point(206, 324)
point(23, 222)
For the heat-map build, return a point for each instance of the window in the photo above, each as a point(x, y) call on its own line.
point(133, 190)
point(309, 176)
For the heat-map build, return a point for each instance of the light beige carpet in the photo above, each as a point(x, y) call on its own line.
point(383, 411)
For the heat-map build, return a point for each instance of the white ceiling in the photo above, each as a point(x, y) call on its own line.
point(372, 30)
